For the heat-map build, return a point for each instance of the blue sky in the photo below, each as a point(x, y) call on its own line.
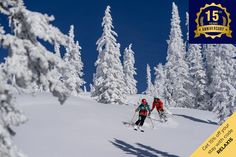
point(145, 24)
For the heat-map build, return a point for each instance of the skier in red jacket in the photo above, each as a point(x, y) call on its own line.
point(158, 104)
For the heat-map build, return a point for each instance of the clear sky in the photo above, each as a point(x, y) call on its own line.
point(144, 23)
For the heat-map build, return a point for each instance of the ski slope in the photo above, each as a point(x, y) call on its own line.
point(84, 128)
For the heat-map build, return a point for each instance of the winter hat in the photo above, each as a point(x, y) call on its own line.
point(144, 101)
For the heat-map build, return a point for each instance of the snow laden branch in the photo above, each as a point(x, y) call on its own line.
point(34, 61)
point(30, 62)
point(9, 116)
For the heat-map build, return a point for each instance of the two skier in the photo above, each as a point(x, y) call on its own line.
point(144, 111)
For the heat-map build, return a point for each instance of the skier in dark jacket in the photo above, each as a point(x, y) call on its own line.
point(144, 111)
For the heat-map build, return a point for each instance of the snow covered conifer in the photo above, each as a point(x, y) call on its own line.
point(55, 72)
point(85, 89)
point(73, 74)
point(187, 35)
point(150, 87)
point(10, 116)
point(33, 62)
point(27, 53)
point(159, 83)
point(210, 54)
point(222, 86)
point(177, 74)
point(108, 80)
point(91, 88)
point(129, 71)
point(198, 74)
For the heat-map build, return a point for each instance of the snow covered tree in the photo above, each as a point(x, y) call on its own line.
point(73, 74)
point(198, 75)
point(159, 83)
point(177, 74)
point(187, 35)
point(150, 87)
point(210, 54)
point(10, 116)
point(108, 80)
point(221, 70)
point(85, 89)
point(33, 62)
point(222, 94)
point(91, 88)
point(129, 71)
point(55, 71)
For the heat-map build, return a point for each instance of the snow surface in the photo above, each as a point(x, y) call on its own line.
point(83, 127)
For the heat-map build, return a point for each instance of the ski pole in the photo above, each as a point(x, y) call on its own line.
point(151, 121)
point(133, 117)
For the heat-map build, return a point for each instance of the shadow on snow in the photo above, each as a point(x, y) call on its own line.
point(196, 119)
point(140, 150)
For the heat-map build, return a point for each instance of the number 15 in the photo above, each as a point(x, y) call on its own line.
point(215, 15)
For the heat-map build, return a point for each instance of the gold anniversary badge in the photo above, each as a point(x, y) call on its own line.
point(213, 21)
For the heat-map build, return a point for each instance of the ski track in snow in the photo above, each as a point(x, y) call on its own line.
point(83, 127)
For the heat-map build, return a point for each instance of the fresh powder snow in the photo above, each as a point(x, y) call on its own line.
point(84, 127)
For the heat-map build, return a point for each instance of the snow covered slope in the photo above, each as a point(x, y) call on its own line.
point(85, 128)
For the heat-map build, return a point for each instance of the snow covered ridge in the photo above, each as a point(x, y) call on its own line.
point(61, 131)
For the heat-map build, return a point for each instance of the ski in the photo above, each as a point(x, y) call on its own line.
point(141, 130)
point(128, 124)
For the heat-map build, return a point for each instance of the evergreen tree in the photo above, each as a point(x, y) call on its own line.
point(33, 62)
point(150, 87)
point(55, 71)
point(108, 81)
point(159, 83)
point(91, 88)
point(177, 74)
point(198, 75)
point(187, 35)
point(129, 71)
point(222, 82)
point(210, 54)
point(73, 74)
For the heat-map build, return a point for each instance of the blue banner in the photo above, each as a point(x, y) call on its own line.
point(212, 21)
